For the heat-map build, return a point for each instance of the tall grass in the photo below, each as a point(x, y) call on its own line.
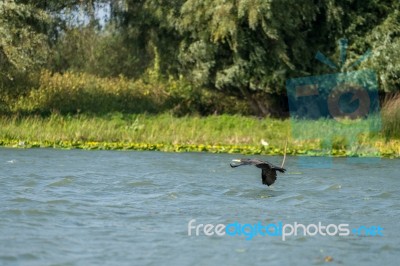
point(391, 117)
point(225, 133)
point(165, 128)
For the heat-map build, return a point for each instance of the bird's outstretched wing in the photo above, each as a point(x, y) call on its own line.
point(268, 176)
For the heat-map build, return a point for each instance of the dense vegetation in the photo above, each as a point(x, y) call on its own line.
point(240, 48)
point(225, 133)
point(185, 57)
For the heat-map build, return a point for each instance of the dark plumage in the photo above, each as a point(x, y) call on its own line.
point(268, 173)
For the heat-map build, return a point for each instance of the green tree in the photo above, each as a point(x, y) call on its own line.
point(384, 40)
point(23, 39)
point(247, 47)
point(147, 28)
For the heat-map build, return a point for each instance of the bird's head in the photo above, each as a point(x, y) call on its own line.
point(239, 162)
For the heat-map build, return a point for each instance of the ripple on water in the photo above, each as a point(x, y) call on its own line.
point(172, 195)
point(28, 256)
point(386, 247)
point(291, 197)
point(30, 183)
point(231, 192)
point(8, 258)
point(58, 201)
point(330, 187)
point(259, 194)
point(32, 213)
point(36, 212)
point(65, 181)
point(143, 183)
point(21, 200)
point(12, 212)
point(383, 195)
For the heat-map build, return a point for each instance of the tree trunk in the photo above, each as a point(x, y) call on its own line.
point(256, 105)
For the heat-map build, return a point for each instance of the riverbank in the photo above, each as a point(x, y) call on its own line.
point(218, 134)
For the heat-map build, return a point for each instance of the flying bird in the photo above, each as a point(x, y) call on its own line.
point(268, 172)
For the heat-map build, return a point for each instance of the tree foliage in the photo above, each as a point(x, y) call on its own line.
point(23, 39)
point(242, 48)
point(248, 46)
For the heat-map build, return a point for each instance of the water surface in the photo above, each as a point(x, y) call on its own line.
point(74, 207)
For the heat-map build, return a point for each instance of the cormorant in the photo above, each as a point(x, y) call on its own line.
point(268, 174)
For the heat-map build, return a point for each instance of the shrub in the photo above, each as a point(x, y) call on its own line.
point(71, 93)
point(391, 116)
point(80, 92)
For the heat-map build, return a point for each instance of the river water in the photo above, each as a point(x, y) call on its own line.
point(74, 207)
